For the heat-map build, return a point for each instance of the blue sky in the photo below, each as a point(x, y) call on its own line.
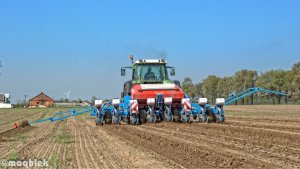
point(53, 46)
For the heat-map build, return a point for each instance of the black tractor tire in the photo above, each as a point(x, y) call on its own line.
point(143, 116)
point(108, 117)
point(176, 116)
point(177, 82)
point(210, 116)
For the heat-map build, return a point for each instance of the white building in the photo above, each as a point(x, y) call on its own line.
point(4, 101)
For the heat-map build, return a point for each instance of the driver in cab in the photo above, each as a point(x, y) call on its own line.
point(149, 75)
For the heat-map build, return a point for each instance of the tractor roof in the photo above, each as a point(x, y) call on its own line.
point(141, 61)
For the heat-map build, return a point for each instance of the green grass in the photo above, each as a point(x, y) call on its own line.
point(54, 161)
point(3, 167)
point(13, 157)
point(63, 136)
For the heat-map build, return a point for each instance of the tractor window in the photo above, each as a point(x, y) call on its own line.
point(151, 72)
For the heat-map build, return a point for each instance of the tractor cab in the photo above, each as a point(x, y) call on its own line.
point(150, 71)
point(150, 79)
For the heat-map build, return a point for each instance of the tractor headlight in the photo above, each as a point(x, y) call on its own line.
point(220, 101)
point(116, 102)
point(150, 101)
point(168, 100)
point(202, 101)
point(98, 103)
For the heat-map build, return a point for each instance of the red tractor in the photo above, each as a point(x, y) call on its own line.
point(151, 93)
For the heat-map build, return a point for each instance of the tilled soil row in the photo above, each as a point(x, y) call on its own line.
point(77, 143)
point(241, 143)
point(11, 119)
point(183, 150)
point(259, 149)
point(96, 148)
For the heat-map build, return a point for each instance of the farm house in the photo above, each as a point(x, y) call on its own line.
point(41, 100)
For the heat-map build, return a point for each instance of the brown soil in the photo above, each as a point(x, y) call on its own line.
point(249, 139)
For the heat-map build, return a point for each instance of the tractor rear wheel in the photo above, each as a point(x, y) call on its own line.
point(176, 115)
point(108, 117)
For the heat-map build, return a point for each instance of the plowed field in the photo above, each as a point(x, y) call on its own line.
point(252, 137)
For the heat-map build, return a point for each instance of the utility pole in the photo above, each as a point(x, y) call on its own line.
point(0, 66)
point(25, 96)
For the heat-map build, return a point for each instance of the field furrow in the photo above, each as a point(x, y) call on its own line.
point(252, 137)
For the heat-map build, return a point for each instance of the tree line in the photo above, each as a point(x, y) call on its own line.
point(213, 87)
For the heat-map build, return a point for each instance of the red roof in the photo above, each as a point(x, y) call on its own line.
point(42, 97)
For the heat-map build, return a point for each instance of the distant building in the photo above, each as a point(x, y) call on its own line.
point(4, 98)
point(4, 101)
point(41, 100)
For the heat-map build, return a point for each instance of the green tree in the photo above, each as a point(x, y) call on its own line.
point(279, 82)
point(274, 80)
point(210, 85)
point(296, 68)
point(93, 100)
point(296, 79)
point(245, 79)
point(225, 87)
point(78, 100)
point(288, 85)
point(197, 89)
point(187, 87)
